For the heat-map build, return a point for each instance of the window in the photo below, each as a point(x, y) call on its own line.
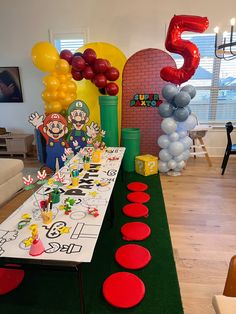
point(215, 82)
point(71, 41)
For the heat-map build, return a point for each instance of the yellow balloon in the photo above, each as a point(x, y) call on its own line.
point(49, 95)
point(71, 86)
point(62, 66)
point(69, 76)
point(62, 78)
point(61, 94)
point(63, 87)
point(67, 100)
point(51, 82)
point(44, 56)
point(54, 106)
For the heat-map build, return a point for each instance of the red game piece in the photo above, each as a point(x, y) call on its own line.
point(132, 256)
point(123, 290)
point(135, 231)
point(138, 197)
point(135, 210)
point(137, 186)
point(10, 279)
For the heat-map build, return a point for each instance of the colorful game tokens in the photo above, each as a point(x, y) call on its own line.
point(132, 256)
point(138, 197)
point(123, 290)
point(135, 231)
point(135, 210)
point(137, 186)
point(10, 279)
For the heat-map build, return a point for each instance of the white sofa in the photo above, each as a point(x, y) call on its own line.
point(10, 178)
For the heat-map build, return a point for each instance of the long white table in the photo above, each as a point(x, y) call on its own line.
point(69, 238)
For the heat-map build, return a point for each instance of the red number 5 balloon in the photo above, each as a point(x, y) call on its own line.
point(174, 43)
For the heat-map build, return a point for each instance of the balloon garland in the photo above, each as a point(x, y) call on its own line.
point(64, 69)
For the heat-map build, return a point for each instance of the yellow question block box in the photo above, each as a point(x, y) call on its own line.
point(146, 165)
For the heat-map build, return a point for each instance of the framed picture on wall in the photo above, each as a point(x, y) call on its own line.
point(10, 85)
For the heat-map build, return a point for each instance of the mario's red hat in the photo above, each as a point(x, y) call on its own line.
point(55, 117)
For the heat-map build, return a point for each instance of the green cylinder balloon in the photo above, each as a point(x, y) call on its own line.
point(109, 119)
point(130, 139)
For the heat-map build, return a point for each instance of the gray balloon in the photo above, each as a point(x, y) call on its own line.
point(189, 109)
point(162, 166)
point(163, 141)
point(181, 114)
point(175, 148)
point(169, 91)
point(164, 155)
point(172, 164)
point(165, 110)
point(182, 99)
point(190, 90)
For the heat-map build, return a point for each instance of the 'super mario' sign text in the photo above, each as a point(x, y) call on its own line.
point(145, 100)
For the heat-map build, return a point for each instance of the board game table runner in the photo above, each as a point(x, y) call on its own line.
point(71, 237)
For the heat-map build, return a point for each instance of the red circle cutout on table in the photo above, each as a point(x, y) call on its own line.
point(135, 231)
point(132, 256)
point(138, 197)
point(10, 279)
point(135, 210)
point(137, 186)
point(123, 290)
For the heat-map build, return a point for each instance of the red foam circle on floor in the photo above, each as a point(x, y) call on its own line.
point(132, 256)
point(135, 210)
point(137, 186)
point(10, 279)
point(135, 231)
point(123, 290)
point(138, 197)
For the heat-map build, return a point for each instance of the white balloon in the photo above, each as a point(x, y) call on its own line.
point(182, 133)
point(164, 155)
point(172, 164)
point(179, 157)
point(187, 142)
point(186, 154)
point(180, 165)
point(163, 141)
point(174, 137)
point(188, 124)
point(162, 166)
point(176, 148)
point(168, 125)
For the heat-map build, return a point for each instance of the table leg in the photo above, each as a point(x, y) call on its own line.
point(81, 288)
point(205, 150)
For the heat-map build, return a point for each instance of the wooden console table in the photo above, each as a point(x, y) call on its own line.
point(13, 143)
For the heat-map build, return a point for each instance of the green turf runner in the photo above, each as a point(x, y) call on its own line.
point(57, 292)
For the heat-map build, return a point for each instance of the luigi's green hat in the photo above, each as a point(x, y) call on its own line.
point(78, 104)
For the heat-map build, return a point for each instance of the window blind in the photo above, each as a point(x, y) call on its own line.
point(71, 41)
point(214, 80)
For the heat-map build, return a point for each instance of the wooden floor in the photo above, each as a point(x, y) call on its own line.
point(201, 212)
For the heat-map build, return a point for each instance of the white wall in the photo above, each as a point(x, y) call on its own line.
point(131, 25)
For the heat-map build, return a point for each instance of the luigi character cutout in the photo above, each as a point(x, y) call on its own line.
point(78, 115)
point(53, 128)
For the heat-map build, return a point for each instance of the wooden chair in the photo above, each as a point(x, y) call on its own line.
point(197, 135)
point(230, 148)
point(226, 303)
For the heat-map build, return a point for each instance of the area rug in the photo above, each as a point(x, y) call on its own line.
point(46, 291)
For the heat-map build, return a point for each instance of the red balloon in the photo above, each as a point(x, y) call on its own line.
point(88, 73)
point(89, 55)
point(76, 75)
point(108, 63)
point(112, 74)
point(100, 65)
point(112, 89)
point(78, 63)
point(100, 80)
point(174, 43)
point(66, 55)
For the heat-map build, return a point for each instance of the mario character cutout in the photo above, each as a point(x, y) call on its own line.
point(78, 115)
point(53, 128)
